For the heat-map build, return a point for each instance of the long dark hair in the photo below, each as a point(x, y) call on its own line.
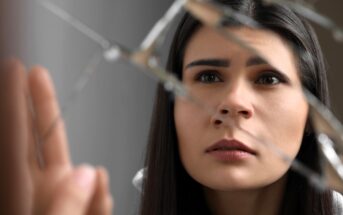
point(168, 189)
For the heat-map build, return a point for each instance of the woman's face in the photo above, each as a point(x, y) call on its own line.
point(245, 90)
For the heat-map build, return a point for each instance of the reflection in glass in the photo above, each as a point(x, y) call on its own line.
point(215, 15)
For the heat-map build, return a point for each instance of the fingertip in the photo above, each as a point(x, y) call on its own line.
point(75, 192)
point(102, 201)
point(37, 69)
point(84, 177)
point(12, 72)
point(38, 75)
point(12, 63)
point(110, 203)
point(105, 180)
point(103, 174)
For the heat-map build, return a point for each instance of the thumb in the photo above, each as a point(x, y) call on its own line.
point(73, 195)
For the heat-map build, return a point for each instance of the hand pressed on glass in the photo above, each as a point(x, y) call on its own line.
point(56, 187)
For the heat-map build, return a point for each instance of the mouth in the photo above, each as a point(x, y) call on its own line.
point(232, 145)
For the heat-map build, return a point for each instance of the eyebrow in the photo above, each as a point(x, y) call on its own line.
point(255, 60)
point(252, 61)
point(209, 62)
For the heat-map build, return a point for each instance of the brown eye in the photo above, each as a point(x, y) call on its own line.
point(270, 78)
point(208, 77)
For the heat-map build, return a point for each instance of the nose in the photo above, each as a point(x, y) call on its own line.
point(235, 104)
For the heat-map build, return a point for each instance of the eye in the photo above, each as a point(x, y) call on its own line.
point(208, 77)
point(270, 78)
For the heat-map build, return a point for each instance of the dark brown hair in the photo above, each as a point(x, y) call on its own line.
point(168, 189)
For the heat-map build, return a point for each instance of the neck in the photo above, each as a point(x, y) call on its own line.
point(266, 200)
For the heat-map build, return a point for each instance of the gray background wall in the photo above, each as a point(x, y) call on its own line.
point(109, 122)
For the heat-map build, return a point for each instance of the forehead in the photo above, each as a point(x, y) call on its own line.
point(207, 43)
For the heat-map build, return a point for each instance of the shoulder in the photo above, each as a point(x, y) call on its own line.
point(337, 202)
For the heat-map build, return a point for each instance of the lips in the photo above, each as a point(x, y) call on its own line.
point(229, 145)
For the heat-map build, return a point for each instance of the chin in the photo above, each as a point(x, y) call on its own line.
point(227, 183)
point(235, 186)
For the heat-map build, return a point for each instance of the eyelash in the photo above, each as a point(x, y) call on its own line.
point(201, 75)
point(276, 77)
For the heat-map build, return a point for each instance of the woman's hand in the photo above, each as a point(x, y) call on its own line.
point(30, 118)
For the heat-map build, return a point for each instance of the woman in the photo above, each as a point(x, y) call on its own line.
point(185, 175)
point(197, 164)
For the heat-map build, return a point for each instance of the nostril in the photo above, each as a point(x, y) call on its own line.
point(217, 122)
point(245, 113)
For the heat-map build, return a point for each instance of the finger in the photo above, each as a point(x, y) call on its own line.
point(73, 195)
point(102, 202)
point(15, 189)
point(35, 159)
point(48, 121)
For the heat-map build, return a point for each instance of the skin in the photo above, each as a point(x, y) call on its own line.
point(58, 187)
point(265, 101)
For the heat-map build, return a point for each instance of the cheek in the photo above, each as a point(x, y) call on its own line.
point(183, 117)
point(191, 125)
point(191, 118)
point(283, 121)
point(187, 119)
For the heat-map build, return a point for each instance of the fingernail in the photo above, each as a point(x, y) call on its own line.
point(84, 176)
